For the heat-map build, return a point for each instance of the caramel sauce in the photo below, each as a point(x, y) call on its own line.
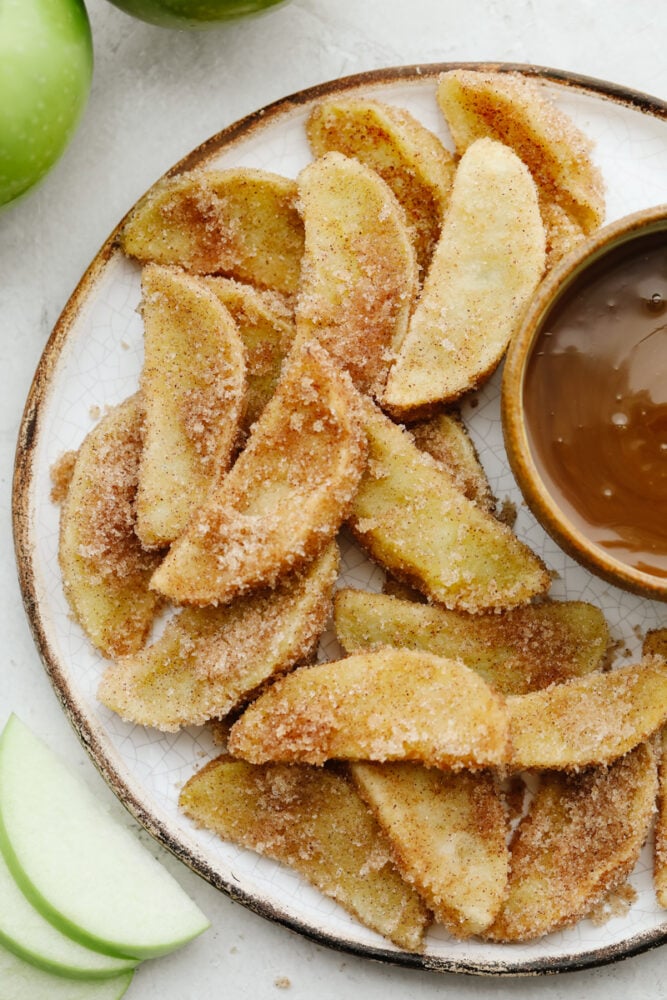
point(595, 400)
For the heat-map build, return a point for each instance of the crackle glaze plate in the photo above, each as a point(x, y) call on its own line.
point(92, 360)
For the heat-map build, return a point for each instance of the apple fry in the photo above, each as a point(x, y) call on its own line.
point(313, 821)
point(488, 262)
point(411, 517)
point(655, 644)
point(588, 720)
point(193, 395)
point(514, 110)
point(210, 660)
point(515, 651)
point(104, 568)
point(359, 271)
point(580, 839)
point(389, 704)
point(446, 439)
point(448, 833)
point(240, 222)
point(408, 156)
point(285, 497)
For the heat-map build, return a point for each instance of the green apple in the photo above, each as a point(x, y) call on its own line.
point(84, 871)
point(24, 931)
point(22, 981)
point(46, 61)
point(192, 13)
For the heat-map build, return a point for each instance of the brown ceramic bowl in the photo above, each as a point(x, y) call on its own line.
point(569, 277)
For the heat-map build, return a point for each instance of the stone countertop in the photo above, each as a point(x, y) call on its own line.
point(156, 95)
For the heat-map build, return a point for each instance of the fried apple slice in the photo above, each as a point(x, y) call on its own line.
point(266, 327)
point(655, 644)
point(210, 660)
point(313, 821)
point(588, 720)
point(445, 438)
point(515, 110)
point(579, 841)
point(487, 264)
point(359, 271)
point(241, 222)
point(104, 568)
point(448, 832)
point(515, 651)
point(389, 704)
point(286, 495)
point(660, 842)
point(407, 155)
point(193, 395)
point(411, 517)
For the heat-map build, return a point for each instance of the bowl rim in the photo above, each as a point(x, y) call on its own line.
point(540, 500)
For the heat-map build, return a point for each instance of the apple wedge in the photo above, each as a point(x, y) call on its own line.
point(515, 110)
point(24, 931)
point(210, 660)
point(515, 651)
point(587, 720)
point(241, 222)
point(389, 704)
point(446, 439)
point(105, 569)
point(409, 157)
point(312, 820)
point(81, 868)
point(193, 395)
point(486, 265)
point(286, 495)
point(448, 832)
point(411, 517)
point(20, 980)
point(359, 273)
point(580, 840)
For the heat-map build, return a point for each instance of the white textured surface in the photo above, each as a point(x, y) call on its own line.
point(156, 95)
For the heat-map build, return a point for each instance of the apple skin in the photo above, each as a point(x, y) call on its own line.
point(46, 63)
point(192, 13)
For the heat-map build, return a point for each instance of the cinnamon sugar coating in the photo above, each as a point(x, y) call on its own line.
point(285, 497)
point(105, 570)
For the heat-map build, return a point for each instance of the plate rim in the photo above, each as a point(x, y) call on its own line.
point(90, 731)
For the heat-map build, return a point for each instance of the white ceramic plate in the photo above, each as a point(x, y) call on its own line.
point(93, 359)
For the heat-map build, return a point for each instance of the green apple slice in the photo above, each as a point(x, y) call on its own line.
point(82, 869)
point(21, 981)
point(25, 931)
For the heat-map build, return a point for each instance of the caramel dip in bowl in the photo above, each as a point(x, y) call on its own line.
point(584, 403)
